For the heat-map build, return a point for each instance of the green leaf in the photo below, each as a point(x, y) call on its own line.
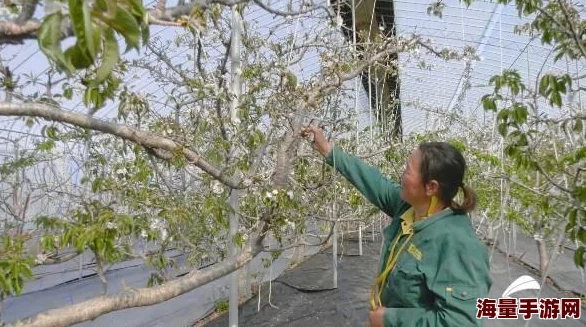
point(239, 240)
point(46, 146)
point(488, 102)
point(126, 25)
point(52, 132)
point(503, 115)
point(560, 86)
point(103, 6)
point(582, 235)
point(47, 242)
point(543, 85)
point(556, 99)
point(580, 193)
point(97, 185)
point(578, 126)
point(67, 93)
point(109, 60)
point(514, 88)
point(520, 113)
point(49, 37)
point(78, 57)
point(79, 244)
point(146, 34)
point(546, 37)
point(579, 256)
point(138, 10)
point(80, 15)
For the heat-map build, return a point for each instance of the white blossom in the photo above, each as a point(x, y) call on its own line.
point(247, 182)
point(110, 225)
point(290, 223)
point(217, 187)
point(290, 194)
point(159, 225)
point(41, 257)
point(339, 21)
point(155, 223)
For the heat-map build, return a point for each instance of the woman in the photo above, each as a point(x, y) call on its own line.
point(434, 267)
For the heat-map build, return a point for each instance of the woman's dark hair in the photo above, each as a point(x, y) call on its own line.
point(444, 163)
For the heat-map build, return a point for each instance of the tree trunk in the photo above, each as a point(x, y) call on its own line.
point(131, 298)
point(244, 285)
point(299, 251)
point(543, 257)
point(541, 247)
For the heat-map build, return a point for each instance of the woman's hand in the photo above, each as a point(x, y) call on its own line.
point(319, 140)
point(375, 318)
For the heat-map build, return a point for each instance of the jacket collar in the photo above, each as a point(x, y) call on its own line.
point(407, 218)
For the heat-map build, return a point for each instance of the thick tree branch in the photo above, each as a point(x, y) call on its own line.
point(392, 46)
point(132, 298)
point(571, 27)
point(15, 32)
point(161, 5)
point(145, 139)
point(53, 260)
point(291, 13)
point(550, 180)
point(221, 81)
point(27, 12)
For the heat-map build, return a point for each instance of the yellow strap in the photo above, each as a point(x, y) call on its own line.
point(378, 286)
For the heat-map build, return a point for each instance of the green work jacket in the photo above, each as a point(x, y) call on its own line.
point(439, 276)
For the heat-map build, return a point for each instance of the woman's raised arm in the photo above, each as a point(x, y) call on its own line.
point(378, 189)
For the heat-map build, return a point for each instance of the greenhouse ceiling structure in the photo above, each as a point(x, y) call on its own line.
point(427, 85)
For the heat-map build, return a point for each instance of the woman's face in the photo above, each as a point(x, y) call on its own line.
point(412, 189)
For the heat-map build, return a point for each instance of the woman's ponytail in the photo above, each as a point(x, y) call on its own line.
point(469, 202)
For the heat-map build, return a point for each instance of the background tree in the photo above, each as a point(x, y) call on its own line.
point(163, 175)
point(544, 135)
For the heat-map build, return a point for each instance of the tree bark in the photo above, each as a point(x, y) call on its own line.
point(543, 257)
point(131, 298)
point(145, 139)
point(25, 27)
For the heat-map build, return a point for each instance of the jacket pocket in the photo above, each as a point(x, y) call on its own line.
point(465, 293)
point(406, 287)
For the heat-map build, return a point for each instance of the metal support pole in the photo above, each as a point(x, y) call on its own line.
point(335, 254)
point(360, 238)
point(236, 90)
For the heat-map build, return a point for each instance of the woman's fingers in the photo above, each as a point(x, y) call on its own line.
point(307, 130)
point(318, 141)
